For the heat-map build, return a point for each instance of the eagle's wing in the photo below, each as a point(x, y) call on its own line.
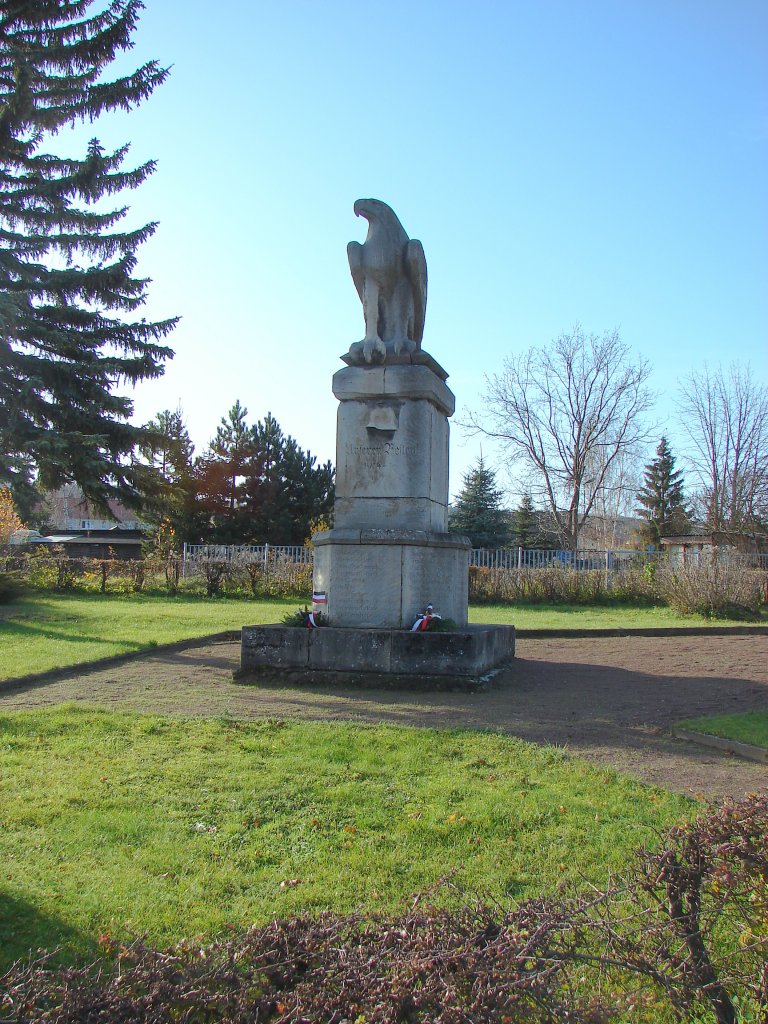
point(416, 268)
point(355, 257)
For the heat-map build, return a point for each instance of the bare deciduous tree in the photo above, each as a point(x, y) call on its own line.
point(614, 502)
point(725, 416)
point(568, 412)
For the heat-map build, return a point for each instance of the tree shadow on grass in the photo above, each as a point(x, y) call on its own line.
point(25, 931)
point(27, 630)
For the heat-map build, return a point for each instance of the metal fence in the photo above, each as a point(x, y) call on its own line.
point(612, 559)
point(241, 554)
point(485, 558)
point(529, 558)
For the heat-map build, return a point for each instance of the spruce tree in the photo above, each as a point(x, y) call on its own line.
point(525, 524)
point(477, 511)
point(69, 329)
point(661, 498)
point(220, 476)
point(168, 448)
point(257, 485)
point(169, 487)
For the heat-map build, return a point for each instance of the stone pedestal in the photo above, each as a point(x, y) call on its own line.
point(389, 553)
point(463, 660)
point(392, 448)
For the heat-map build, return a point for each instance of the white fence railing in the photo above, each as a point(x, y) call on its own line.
point(541, 558)
point(613, 559)
point(485, 558)
point(240, 554)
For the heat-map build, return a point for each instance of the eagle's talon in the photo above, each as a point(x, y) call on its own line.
point(403, 345)
point(374, 346)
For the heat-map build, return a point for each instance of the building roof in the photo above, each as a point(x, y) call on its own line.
point(716, 537)
point(104, 537)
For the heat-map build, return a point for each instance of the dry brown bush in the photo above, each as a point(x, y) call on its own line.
point(715, 587)
point(685, 933)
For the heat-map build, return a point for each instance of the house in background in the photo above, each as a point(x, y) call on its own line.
point(82, 531)
point(611, 533)
point(695, 547)
point(24, 537)
point(68, 509)
point(115, 542)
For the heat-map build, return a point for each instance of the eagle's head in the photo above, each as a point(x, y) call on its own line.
point(372, 209)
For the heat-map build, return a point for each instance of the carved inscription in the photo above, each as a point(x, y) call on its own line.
point(354, 599)
point(375, 456)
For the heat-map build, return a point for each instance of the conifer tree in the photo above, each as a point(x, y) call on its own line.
point(525, 525)
point(306, 495)
point(661, 499)
point(285, 490)
point(257, 485)
point(69, 329)
point(168, 448)
point(169, 486)
point(234, 446)
point(477, 511)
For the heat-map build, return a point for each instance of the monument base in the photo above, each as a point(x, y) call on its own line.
point(462, 660)
point(383, 579)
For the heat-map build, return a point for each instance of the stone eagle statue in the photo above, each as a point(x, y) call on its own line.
point(390, 274)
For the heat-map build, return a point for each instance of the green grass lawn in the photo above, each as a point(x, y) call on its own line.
point(749, 727)
point(576, 616)
point(123, 825)
point(46, 630)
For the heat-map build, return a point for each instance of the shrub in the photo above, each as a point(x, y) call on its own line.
point(39, 570)
point(167, 568)
point(556, 583)
point(715, 588)
point(637, 584)
point(95, 573)
point(441, 967)
point(106, 567)
point(693, 917)
point(136, 570)
point(687, 928)
point(67, 571)
point(52, 570)
point(215, 572)
point(279, 578)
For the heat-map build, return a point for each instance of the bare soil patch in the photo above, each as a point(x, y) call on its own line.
point(610, 700)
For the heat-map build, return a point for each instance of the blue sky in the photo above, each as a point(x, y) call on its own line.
point(594, 162)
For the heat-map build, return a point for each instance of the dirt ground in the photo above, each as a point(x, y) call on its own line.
point(611, 701)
